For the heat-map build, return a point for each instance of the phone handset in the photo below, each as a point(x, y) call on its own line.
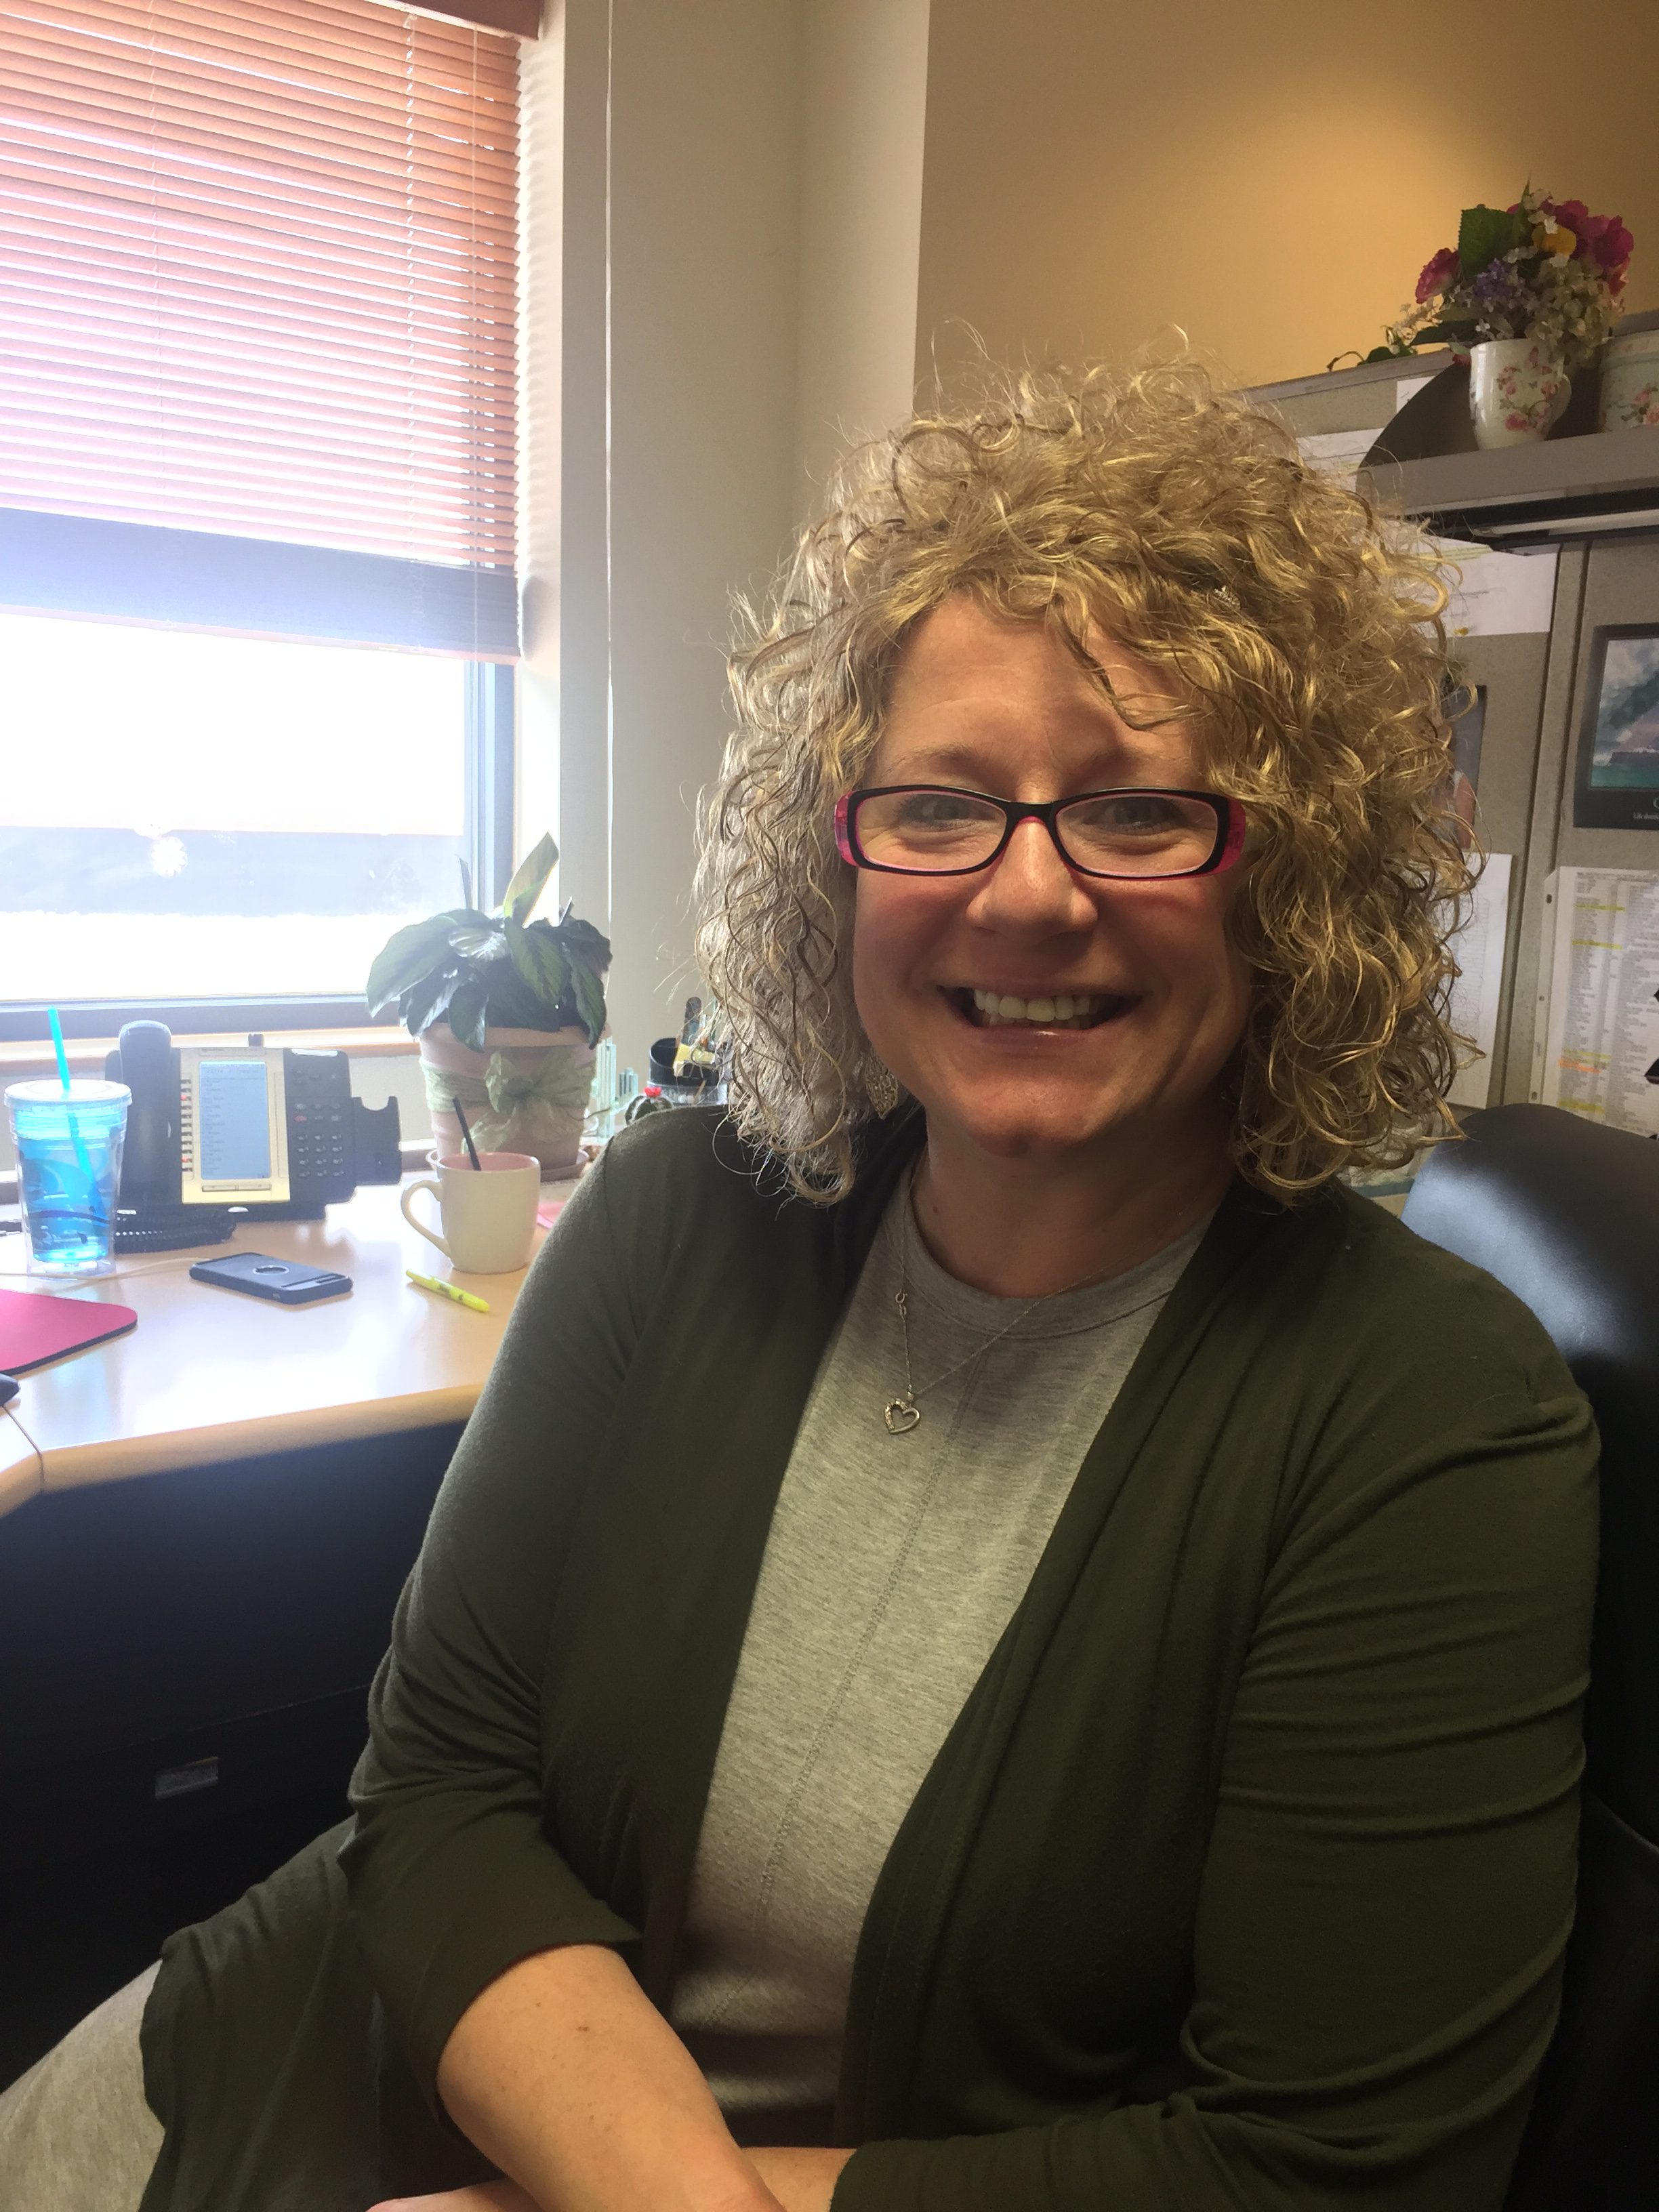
point(146, 1059)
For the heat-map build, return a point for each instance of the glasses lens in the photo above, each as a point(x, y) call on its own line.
point(1139, 833)
point(927, 829)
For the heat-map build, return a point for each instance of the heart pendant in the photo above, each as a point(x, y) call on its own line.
point(900, 1415)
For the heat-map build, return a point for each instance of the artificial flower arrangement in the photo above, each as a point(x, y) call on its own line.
point(1545, 269)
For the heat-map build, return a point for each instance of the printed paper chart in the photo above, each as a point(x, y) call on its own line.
point(1598, 1048)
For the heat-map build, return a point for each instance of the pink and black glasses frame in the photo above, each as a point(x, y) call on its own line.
point(1228, 834)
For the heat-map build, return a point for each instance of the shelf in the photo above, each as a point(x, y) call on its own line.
point(1600, 484)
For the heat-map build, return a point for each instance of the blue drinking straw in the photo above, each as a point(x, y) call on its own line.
point(57, 1047)
point(82, 1161)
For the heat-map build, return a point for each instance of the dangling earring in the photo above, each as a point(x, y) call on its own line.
point(881, 1086)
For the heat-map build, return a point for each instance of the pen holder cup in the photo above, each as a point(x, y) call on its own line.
point(488, 1212)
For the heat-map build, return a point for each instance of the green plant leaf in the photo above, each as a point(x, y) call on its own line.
point(510, 1003)
point(467, 1014)
point(478, 945)
point(408, 955)
point(584, 943)
point(539, 960)
point(421, 1004)
point(590, 1000)
point(1483, 233)
point(529, 880)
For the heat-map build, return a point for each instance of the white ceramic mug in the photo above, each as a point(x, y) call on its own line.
point(489, 1212)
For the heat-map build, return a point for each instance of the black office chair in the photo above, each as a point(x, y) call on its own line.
point(1566, 1215)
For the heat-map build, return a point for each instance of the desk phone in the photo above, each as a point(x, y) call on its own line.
point(272, 1130)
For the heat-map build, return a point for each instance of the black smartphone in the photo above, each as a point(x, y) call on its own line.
point(262, 1277)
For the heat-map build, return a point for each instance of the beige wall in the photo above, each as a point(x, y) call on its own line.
point(1270, 178)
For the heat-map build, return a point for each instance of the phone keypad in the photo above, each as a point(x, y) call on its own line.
point(320, 1144)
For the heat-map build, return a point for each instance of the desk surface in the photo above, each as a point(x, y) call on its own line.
point(211, 1374)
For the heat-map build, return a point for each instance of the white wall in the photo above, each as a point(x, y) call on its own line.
point(747, 174)
point(864, 114)
point(704, 217)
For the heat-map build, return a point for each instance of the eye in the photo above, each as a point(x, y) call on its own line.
point(1131, 813)
point(935, 810)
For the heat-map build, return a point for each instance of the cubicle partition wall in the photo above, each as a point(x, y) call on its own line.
point(1529, 658)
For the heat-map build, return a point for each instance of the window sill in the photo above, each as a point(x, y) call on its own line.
point(33, 1055)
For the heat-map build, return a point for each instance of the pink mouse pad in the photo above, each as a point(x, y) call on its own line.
point(35, 1327)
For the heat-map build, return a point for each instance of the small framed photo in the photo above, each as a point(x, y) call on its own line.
point(1617, 785)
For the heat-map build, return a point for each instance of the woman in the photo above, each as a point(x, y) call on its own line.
point(998, 1638)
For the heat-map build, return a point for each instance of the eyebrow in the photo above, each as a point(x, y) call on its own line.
point(929, 762)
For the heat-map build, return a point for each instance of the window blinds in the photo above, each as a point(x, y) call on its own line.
point(257, 273)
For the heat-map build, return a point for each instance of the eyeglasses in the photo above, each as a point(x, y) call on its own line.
point(933, 829)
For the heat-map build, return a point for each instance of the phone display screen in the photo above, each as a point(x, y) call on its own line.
point(234, 1137)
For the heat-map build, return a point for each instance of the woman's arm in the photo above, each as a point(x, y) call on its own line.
point(569, 2077)
point(574, 2083)
point(453, 1878)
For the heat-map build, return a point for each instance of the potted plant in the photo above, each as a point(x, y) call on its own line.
point(1529, 293)
point(507, 1011)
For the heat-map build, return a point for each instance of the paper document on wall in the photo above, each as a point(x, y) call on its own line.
point(1478, 948)
point(1496, 594)
point(1597, 1052)
point(1338, 452)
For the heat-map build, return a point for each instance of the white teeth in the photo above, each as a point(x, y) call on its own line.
point(1065, 1009)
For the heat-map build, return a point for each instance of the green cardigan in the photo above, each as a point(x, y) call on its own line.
point(1241, 1881)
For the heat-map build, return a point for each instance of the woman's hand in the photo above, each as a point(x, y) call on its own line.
point(801, 2180)
point(483, 2196)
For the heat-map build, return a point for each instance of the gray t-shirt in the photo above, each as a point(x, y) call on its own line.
point(893, 1564)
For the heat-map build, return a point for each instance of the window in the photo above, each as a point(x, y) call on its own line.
point(257, 610)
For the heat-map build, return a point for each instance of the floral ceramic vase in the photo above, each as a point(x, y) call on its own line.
point(1519, 391)
point(527, 1091)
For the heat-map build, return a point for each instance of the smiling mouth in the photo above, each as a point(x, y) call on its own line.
point(1065, 1009)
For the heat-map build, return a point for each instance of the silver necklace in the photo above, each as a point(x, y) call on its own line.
point(901, 1414)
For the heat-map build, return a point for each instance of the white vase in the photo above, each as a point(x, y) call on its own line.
point(1630, 383)
point(527, 1091)
point(1518, 392)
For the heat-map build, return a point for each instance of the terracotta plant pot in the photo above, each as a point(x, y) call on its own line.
point(527, 1091)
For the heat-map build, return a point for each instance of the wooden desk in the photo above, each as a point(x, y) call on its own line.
point(211, 1374)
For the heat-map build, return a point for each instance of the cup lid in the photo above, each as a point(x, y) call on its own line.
point(83, 1091)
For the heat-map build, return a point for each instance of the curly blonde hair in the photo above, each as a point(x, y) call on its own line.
point(1303, 628)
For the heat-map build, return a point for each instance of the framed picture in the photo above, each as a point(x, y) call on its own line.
point(1617, 785)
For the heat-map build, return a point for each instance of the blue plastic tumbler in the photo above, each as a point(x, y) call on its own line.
point(68, 1165)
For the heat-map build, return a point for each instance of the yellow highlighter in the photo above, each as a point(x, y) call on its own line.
point(448, 1291)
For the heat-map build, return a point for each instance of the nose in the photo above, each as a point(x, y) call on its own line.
point(1030, 889)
